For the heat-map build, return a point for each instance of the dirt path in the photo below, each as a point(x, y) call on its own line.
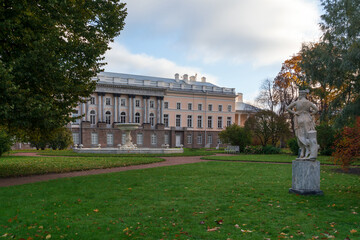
point(169, 161)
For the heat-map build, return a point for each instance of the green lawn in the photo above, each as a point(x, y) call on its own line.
point(187, 152)
point(21, 166)
point(265, 158)
point(209, 200)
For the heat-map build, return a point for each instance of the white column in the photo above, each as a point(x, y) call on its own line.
point(87, 112)
point(144, 107)
point(133, 112)
point(148, 110)
point(83, 111)
point(162, 111)
point(115, 108)
point(103, 108)
point(130, 110)
point(158, 111)
point(100, 107)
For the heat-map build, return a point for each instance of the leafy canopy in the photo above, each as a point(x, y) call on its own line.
point(49, 51)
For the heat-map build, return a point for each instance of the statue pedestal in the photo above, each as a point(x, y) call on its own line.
point(305, 177)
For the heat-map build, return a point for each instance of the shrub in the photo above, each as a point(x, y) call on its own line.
point(61, 139)
point(5, 142)
point(253, 149)
point(236, 136)
point(269, 149)
point(347, 145)
point(326, 138)
point(293, 145)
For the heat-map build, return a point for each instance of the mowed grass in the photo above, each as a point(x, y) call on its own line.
point(208, 200)
point(187, 152)
point(286, 158)
point(13, 166)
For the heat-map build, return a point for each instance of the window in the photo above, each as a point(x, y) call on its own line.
point(92, 100)
point(229, 108)
point(152, 104)
point(189, 106)
point(153, 139)
point(76, 114)
point(76, 139)
point(210, 107)
point(123, 138)
point(137, 117)
point(94, 138)
point(137, 103)
point(166, 105)
point(189, 139)
point(92, 117)
point(166, 120)
point(139, 139)
point(178, 105)
point(123, 102)
point(199, 139)
point(108, 101)
point(109, 139)
point(209, 121)
point(228, 121)
point(220, 108)
point(122, 117)
point(152, 119)
point(189, 121)
point(199, 121)
point(108, 117)
point(178, 121)
point(209, 139)
point(166, 138)
point(200, 107)
point(219, 122)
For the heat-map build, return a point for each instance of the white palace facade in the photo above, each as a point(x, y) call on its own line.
point(178, 111)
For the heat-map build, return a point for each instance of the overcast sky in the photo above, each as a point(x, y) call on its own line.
point(233, 43)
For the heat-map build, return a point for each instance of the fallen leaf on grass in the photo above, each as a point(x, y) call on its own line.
point(213, 229)
point(353, 231)
point(48, 236)
point(237, 226)
point(245, 231)
point(96, 210)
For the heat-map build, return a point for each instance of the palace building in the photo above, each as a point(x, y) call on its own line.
point(179, 111)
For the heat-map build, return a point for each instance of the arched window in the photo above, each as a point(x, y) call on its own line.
point(137, 117)
point(108, 117)
point(122, 117)
point(152, 119)
point(92, 117)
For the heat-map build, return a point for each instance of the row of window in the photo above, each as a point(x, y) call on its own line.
point(140, 139)
point(199, 121)
point(166, 120)
point(122, 102)
point(166, 104)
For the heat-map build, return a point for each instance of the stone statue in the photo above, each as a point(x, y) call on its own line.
point(304, 126)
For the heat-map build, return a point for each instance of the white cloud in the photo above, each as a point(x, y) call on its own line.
point(121, 60)
point(257, 31)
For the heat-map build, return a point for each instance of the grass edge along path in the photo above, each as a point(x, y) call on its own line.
point(18, 166)
point(208, 200)
point(274, 158)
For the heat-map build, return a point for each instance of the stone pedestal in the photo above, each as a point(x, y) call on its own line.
point(305, 177)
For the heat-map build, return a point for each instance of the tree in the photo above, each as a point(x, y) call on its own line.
point(267, 127)
point(5, 142)
point(61, 139)
point(49, 51)
point(335, 61)
point(347, 146)
point(286, 86)
point(266, 96)
point(236, 136)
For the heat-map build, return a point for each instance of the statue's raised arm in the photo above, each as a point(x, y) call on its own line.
point(304, 125)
